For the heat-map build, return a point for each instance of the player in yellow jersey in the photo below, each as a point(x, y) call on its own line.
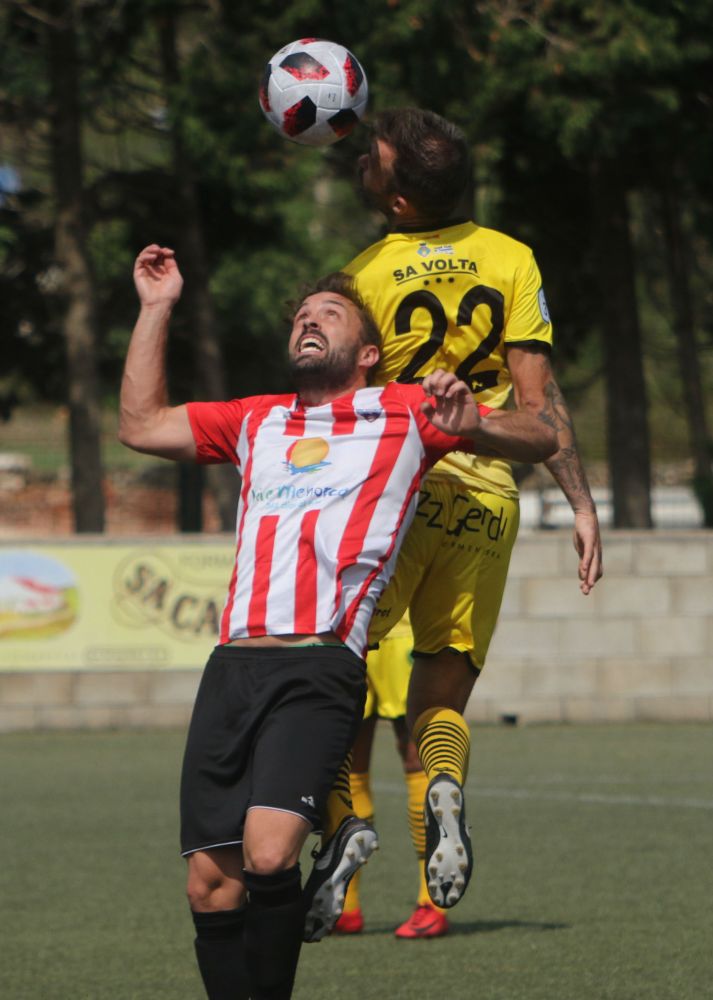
point(388, 670)
point(449, 293)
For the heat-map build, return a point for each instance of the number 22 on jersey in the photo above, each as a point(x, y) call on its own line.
point(461, 342)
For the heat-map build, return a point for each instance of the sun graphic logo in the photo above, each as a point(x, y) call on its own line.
point(307, 455)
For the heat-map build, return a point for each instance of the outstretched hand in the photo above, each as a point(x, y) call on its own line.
point(156, 276)
point(449, 404)
point(588, 543)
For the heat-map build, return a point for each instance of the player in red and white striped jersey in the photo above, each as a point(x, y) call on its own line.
point(327, 491)
point(330, 476)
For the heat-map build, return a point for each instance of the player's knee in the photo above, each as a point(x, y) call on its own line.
point(204, 891)
point(268, 858)
point(215, 880)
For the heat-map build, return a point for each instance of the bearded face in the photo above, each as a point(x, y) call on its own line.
point(318, 365)
point(326, 346)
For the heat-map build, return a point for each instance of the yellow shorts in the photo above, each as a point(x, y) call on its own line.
point(451, 570)
point(388, 670)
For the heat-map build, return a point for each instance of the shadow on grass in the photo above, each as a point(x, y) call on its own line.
point(478, 927)
point(488, 926)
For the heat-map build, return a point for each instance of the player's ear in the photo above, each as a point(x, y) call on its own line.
point(399, 205)
point(370, 356)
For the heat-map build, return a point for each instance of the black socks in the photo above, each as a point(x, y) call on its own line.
point(252, 953)
point(221, 954)
point(274, 924)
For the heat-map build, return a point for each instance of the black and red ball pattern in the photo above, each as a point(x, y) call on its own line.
point(299, 117)
point(303, 66)
point(303, 115)
point(264, 93)
point(316, 95)
point(343, 122)
point(353, 74)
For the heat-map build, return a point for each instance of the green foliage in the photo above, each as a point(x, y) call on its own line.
point(108, 245)
point(8, 241)
point(543, 88)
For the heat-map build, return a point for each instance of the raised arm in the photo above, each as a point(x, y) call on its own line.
point(537, 393)
point(146, 422)
point(509, 434)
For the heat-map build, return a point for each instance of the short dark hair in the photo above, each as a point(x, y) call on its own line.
point(433, 166)
point(343, 284)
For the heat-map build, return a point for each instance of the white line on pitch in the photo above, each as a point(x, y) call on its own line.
point(588, 797)
point(597, 797)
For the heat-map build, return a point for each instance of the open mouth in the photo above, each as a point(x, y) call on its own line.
point(311, 343)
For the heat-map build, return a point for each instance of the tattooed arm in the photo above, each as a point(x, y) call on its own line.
point(537, 392)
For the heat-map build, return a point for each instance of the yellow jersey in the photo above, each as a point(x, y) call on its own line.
point(453, 298)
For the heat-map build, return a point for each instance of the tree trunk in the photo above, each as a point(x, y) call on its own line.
point(207, 351)
point(627, 407)
point(190, 496)
point(78, 322)
point(679, 269)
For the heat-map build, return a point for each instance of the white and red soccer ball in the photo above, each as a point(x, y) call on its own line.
point(313, 91)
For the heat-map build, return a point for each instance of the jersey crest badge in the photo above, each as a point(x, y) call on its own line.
point(369, 415)
point(423, 250)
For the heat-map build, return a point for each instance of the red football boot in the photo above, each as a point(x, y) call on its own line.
point(350, 923)
point(425, 922)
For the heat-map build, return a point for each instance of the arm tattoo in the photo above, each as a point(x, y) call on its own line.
point(565, 465)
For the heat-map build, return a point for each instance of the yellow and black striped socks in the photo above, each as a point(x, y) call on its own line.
point(443, 741)
point(416, 784)
point(364, 809)
point(339, 801)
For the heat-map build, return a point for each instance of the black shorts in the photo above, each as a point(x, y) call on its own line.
point(270, 727)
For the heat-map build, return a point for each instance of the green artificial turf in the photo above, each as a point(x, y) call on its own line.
point(594, 877)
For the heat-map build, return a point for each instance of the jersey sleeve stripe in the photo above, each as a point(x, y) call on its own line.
point(215, 427)
point(264, 549)
point(539, 342)
point(306, 577)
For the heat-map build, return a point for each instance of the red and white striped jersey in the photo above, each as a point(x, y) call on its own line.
point(327, 494)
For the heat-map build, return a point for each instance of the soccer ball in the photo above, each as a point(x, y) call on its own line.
point(313, 91)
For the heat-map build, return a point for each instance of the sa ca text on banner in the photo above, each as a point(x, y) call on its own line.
point(98, 605)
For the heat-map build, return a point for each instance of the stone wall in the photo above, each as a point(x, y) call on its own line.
point(639, 647)
point(79, 699)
